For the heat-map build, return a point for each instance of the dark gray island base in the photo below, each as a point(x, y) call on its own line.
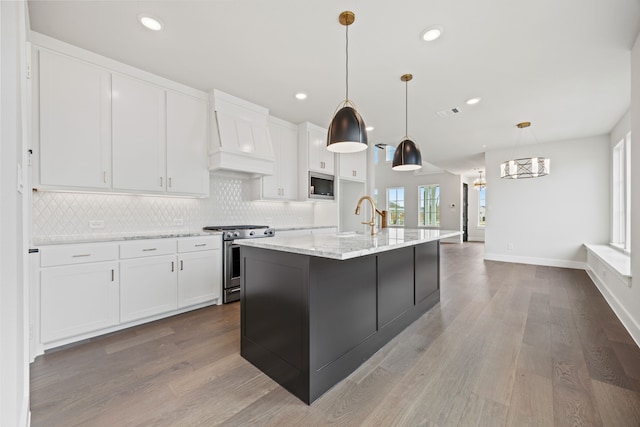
point(309, 321)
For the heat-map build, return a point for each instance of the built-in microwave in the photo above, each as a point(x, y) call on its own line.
point(320, 186)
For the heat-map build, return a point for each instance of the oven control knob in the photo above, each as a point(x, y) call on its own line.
point(251, 233)
point(236, 234)
point(266, 232)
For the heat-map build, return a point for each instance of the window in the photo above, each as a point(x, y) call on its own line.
point(395, 205)
point(389, 152)
point(482, 210)
point(429, 208)
point(621, 200)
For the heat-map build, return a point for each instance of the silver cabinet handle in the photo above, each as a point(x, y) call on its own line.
point(172, 267)
point(160, 181)
point(181, 265)
point(232, 291)
point(104, 176)
point(201, 244)
point(80, 255)
point(149, 249)
point(169, 181)
point(113, 275)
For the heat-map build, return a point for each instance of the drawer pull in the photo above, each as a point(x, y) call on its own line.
point(113, 275)
point(200, 245)
point(233, 291)
point(149, 249)
point(181, 265)
point(80, 255)
point(172, 267)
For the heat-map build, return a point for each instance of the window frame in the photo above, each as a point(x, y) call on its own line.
point(482, 191)
point(437, 212)
point(621, 194)
point(390, 211)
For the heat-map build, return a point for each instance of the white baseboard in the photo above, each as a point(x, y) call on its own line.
point(549, 262)
point(627, 320)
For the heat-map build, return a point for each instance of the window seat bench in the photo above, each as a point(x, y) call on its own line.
point(602, 259)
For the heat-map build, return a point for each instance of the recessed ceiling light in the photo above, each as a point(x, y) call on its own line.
point(301, 95)
point(432, 33)
point(472, 101)
point(369, 128)
point(150, 22)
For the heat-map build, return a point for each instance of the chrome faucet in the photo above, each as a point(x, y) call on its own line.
point(372, 223)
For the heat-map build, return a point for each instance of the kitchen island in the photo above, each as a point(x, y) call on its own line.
point(315, 307)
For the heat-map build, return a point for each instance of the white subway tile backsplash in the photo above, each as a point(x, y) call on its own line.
point(59, 216)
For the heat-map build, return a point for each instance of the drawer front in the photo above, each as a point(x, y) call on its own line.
point(193, 244)
point(147, 247)
point(77, 253)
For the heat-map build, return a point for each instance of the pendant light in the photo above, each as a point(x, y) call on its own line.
point(407, 156)
point(347, 131)
point(529, 167)
point(479, 183)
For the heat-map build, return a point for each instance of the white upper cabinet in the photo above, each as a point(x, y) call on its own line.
point(283, 184)
point(75, 123)
point(353, 166)
point(139, 140)
point(319, 159)
point(186, 144)
point(116, 128)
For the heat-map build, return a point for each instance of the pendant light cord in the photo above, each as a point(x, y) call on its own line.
point(406, 109)
point(347, 63)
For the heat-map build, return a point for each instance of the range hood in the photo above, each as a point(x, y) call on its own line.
point(240, 140)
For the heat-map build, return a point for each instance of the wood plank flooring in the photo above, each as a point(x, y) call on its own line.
point(508, 345)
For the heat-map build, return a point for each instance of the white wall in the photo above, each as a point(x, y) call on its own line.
point(546, 220)
point(450, 194)
point(14, 354)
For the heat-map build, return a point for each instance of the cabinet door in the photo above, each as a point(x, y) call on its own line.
point(78, 299)
point(75, 123)
point(199, 277)
point(139, 141)
point(287, 163)
point(148, 286)
point(320, 159)
point(271, 183)
point(186, 145)
point(283, 184)
point(353, 166)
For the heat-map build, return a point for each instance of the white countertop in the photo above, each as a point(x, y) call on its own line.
point(343, 246)
point(97, 238)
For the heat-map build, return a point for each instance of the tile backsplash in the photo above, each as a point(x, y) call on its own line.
point(59, 216)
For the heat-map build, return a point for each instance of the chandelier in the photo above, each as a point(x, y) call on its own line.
point(530, 167)
point(479, 183)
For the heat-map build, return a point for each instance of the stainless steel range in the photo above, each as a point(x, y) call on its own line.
point(231, 254)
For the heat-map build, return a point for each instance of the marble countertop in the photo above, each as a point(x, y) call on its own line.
point(343, 246)
point(122, 237)
point(302, 227)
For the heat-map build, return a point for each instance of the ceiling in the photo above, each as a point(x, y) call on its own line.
point(563, 65)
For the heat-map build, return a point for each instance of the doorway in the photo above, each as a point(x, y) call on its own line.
point(465, 212)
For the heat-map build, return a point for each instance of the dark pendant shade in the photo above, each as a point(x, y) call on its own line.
point(347, 132)
point(407, 156)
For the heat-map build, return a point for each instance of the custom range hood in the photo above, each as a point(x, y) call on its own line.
point(240, 140)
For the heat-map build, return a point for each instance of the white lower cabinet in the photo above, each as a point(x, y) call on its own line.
point(89, 289)
point(148, 286)
point(77, 299)
point(199, 276)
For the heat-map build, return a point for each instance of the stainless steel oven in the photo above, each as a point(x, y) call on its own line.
point(231, 255)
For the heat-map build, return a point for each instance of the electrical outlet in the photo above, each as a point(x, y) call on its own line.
point(178, 221)
point(96, 223)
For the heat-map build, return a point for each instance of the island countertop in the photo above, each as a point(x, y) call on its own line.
point(342, 246)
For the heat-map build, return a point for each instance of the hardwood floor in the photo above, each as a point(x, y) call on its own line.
point(508, 345)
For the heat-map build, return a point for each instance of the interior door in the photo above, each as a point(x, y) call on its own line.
point(465, 212)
